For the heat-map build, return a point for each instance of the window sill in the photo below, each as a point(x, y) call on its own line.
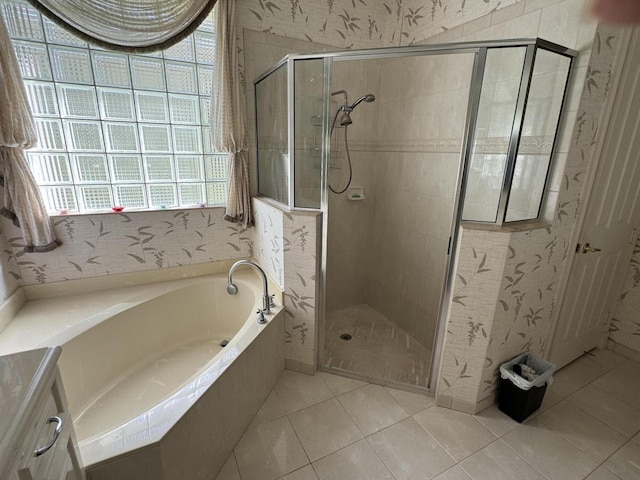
point(131, 211)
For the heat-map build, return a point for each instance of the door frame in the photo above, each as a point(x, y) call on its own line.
point(592, 169)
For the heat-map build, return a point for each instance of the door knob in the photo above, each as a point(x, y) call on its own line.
point(586, 248)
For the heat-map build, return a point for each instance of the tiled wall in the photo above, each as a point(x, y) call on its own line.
point(10, 277)
point(390, 249)
point(423, 111)
point(287, 245)
point(516, 315)
point(625, 325)
point(268, 243)
point(352, 231)
point(105, 244)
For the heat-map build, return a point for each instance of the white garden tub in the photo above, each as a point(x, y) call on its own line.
point(137, 360)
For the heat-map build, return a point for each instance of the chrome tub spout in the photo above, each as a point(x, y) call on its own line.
point(232, 288)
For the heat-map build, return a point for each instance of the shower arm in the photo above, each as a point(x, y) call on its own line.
point(346, 100)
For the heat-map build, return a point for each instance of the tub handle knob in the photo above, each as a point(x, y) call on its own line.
point(261, 318)
point(272, 300)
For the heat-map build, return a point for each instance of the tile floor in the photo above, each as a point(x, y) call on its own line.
point(379, 348)
point(329, 427)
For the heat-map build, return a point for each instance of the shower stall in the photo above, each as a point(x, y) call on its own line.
point(397, 147)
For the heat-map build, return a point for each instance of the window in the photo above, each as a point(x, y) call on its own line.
point(116, 129)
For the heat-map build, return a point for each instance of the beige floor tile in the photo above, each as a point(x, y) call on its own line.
point(297, 390)
point(269, 451)
point(458, 433)
point(498, 462)
point(637, 439)
point(497, 422)
point(583, 430)
point(623, 382)
point(411, 402)
point(339, 384)
point(324, 428)
point(355, 462)
point(625, 463)
point(305, 473)
point(271, 410)
point(229, 470)
point(410, 452)
point(372, 408)
point(607, 359)
point(549, 453)
point(455, 473)
point(602, 473)
point(577, 374)
point(608, 409)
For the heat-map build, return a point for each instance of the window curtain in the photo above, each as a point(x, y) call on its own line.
point(227, 115)
point(22, 199)
point(133, 26)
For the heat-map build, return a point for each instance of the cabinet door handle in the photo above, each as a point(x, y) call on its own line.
point(56, 434)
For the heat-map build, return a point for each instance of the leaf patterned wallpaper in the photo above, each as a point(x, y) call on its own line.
point(105, 244)
point(10, 278)
point(361, 23)
point(625, 325)
point(286, 245)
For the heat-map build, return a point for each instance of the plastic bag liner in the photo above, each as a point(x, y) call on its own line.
point(543, 368)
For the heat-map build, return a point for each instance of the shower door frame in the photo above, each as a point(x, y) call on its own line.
point(469, 128)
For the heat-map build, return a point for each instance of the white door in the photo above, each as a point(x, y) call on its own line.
point(613, 212)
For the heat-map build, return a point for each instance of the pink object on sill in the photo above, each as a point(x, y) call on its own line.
point(117, 209)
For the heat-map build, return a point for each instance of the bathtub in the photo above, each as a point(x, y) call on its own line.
point(152, 391)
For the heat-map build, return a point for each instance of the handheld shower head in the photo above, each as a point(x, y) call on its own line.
point(346, 109)
point(365, 98)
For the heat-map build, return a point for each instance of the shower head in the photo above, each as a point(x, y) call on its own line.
point(345, 119)
point(365, 98)
point(346, 109)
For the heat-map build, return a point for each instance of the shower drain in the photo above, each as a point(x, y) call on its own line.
point(345, 337)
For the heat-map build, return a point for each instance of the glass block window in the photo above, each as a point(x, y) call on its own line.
point(116, 129)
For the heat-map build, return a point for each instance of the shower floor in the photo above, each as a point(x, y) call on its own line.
point(378, 349)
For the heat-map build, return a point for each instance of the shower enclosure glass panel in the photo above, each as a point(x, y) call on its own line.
point(523, 91)
point(308, 76)
point(539, 127)
point(272, 136)
point(498, 99)
point(387, 248)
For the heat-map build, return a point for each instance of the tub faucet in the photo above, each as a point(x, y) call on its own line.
point(232, 288)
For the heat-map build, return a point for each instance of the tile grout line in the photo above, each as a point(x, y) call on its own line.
point(524, 459)
point(309, 406)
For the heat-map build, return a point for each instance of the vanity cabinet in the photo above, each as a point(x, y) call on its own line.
point(37, 441)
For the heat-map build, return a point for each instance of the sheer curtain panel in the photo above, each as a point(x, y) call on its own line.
point(22, 200)
point(128, 25)
point(229, 133)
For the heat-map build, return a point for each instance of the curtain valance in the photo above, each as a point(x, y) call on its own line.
point(128, 25)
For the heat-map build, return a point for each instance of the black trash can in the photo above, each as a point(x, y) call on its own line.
point(523, 384)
